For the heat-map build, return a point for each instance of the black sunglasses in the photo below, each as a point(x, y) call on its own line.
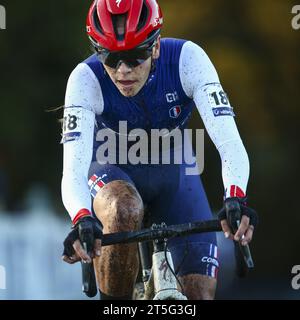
point(132, 58)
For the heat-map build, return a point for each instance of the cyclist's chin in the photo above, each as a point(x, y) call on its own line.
point(130, 91)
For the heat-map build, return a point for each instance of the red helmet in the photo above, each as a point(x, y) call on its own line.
point(118, 25)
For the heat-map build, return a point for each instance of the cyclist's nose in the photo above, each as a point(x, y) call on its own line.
point(123, 68)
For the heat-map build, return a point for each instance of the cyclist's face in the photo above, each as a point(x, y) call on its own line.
point(130, 80)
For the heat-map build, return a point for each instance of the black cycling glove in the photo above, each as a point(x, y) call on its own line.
point(89, 227)
point(233, 210)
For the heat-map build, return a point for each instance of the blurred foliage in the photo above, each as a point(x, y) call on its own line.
point(256, 53)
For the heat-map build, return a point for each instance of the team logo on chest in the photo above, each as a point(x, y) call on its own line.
point(172, 97)
point(175, 112)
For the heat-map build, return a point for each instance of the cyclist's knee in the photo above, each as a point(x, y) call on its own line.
point(119, 206)
point(199, 287)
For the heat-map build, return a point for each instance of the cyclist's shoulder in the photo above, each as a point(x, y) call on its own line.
point(193, 55)
point(172, 41)
point(83, 89)
point(195, 68)
point(91, 61)
point(181, 47)
point(86, 69)
point(193, 48)
point(179, 42)
point(171, 45)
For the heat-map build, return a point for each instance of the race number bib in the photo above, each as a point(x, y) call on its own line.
point(219, 101)
point(72, 124)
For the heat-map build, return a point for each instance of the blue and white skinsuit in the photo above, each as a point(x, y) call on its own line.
point(183, 78)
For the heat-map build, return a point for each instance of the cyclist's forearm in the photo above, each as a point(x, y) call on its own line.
point(222, 129)
point(75, 197)
point(78, 150)
point(83, 100)
point(235, 168)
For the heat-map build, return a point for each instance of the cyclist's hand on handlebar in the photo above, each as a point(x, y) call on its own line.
point(73, 249)
point(235, 209)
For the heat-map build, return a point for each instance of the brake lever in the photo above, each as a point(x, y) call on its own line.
point(245, 250)
point(89, 286)
point(233, 212)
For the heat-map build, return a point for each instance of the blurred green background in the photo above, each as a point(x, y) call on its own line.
point(256, 53)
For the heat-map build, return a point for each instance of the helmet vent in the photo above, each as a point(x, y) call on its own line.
point(143, 17)
point(119, 22)
point(97, 22)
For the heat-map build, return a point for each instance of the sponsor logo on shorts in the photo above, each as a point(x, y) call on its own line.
point(210, 260)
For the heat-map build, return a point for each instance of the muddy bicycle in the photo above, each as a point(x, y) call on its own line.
point(158, 275)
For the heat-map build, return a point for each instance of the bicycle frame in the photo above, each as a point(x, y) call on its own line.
point(162, 283)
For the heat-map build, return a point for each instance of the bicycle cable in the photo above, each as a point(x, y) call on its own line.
point(171, 269)
point(186, 251)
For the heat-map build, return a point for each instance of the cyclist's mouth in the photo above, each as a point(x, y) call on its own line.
point(127, 83)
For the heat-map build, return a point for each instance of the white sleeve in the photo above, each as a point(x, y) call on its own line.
point(83, 89)
point(200, 82)
point(83, 100)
